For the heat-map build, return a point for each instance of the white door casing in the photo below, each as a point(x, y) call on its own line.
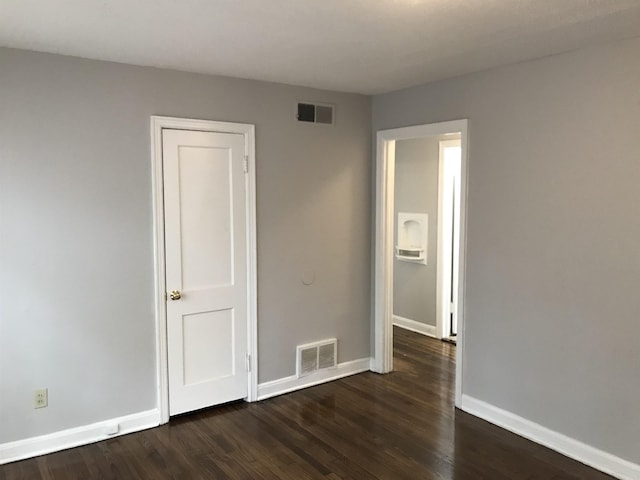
point(449, 200)
point(455, 281)
point(382, 361)
point(205, 250)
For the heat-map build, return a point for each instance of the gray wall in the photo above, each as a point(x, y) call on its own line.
point(553, 249)
point(76, 263)
point(416, 191)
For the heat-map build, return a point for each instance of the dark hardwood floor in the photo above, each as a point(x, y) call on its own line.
point(397, 426)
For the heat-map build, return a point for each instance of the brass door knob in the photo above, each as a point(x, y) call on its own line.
point(175, 295)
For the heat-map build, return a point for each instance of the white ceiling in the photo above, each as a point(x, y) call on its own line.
point(366, 46)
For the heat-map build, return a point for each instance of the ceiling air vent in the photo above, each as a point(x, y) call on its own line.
point(315, 113)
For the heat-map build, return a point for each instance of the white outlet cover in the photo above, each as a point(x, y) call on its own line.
point(41, 398)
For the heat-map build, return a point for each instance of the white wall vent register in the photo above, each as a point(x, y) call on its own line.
point(316, 356)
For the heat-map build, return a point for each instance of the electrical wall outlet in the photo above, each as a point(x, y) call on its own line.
point(41, 398)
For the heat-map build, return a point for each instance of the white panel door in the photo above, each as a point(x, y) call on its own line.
point(206, 267)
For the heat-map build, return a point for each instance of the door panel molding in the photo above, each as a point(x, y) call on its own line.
point(158, 123)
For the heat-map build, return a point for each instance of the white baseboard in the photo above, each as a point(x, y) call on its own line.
point(568, 446)
point(408, 324)
point(292, 383)
point(74, 437)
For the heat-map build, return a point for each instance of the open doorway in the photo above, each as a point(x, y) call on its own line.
point(408, 236)
point(426, 235)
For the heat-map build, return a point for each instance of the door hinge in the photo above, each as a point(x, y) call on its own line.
point(246, 164)
point(248, 358)
point(452, 307)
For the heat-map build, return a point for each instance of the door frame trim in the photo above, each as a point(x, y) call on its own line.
point(158, 123)
point(445, 254)
point(382, 361)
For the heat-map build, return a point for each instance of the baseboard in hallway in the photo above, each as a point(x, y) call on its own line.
point(412, 325)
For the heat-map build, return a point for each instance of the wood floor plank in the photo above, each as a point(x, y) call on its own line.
point(366, 427)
